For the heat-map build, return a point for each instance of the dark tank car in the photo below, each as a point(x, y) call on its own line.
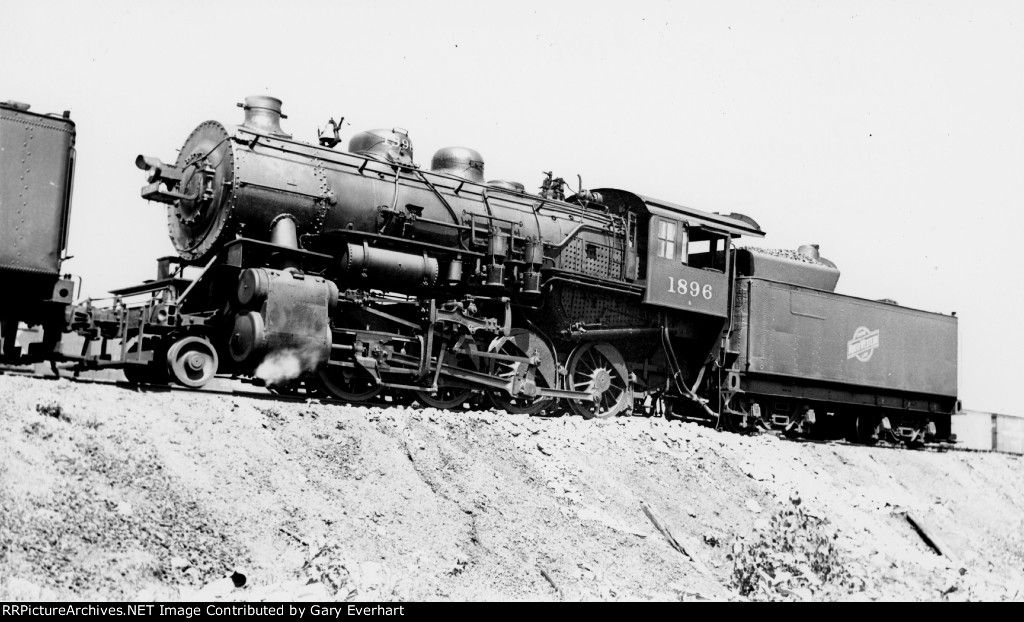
point(37, 163)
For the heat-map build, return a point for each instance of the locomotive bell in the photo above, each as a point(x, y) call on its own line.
point(263, 114)
point(459, 162)
point(392, 145)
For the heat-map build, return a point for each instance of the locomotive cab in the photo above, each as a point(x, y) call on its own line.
point(682, 253)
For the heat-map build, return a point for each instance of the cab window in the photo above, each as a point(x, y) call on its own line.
point(666, 239)
point(707, 250)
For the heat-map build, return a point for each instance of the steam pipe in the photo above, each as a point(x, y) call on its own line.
point(284, 232)
point(609, 333)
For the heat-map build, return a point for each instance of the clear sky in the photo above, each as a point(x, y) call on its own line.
point(890, 133)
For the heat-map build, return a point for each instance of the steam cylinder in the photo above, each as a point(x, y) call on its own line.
point(280, 310)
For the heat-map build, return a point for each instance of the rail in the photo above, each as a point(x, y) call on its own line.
point(264, 395)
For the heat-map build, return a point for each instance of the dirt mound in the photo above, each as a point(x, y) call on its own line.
point(115, 493)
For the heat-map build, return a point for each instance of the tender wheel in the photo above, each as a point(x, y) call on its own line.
point(736, 423)
point(742, 419)
point(192, 362)
point(865, 429)
point(347, 384)
point(445, 398)
point(598, 369)
point(524, 343)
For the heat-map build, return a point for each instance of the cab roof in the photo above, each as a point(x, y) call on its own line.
point(733, 224)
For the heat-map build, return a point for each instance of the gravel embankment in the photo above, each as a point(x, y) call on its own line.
point(109, 492)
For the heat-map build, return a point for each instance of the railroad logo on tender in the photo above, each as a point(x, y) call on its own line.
point(863, 344)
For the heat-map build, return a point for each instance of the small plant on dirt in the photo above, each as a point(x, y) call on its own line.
point(53, 409)
point(328, 567)
point(712, 540)
point(37, 428)
point(793, 557)
point(270, 412)
point(346, 579)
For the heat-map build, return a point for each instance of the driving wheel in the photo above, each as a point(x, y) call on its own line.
point(597, 368)
point(523, 343)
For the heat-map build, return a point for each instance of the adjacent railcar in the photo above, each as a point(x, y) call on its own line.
point(37, 163)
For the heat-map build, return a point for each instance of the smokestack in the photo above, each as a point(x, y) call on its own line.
point(263, 114)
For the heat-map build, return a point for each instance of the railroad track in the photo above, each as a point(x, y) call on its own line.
point(258, 393)
point(261, 393)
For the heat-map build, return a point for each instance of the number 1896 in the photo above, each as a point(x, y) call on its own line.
point(689, 288)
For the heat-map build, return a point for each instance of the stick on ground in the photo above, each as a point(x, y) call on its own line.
point(663, 528)
point(924, 535)
point(293, 536)
point(673, 542)
point(547, 575)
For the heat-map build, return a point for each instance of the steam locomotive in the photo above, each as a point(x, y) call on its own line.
point(358, 275)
